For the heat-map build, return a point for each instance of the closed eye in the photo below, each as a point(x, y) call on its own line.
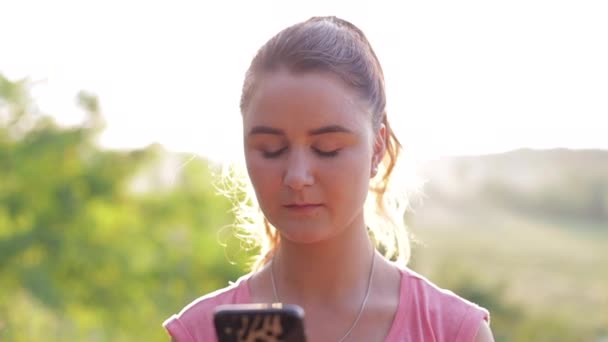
point(274, 154)
point(326, 153)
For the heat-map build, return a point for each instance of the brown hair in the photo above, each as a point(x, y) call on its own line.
point(330, 44)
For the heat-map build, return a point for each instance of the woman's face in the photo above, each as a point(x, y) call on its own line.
point(310, 151)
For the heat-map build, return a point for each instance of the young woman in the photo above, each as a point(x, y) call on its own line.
point(317, 146)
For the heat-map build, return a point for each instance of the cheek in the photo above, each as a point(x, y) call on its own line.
point(349, 187)
point(264, 176)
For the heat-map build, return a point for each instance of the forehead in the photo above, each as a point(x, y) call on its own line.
point(303, 101)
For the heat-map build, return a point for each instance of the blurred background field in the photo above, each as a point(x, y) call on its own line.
point(524, 232)
point(103, 245)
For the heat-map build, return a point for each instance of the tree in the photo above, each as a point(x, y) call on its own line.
point(84, 256)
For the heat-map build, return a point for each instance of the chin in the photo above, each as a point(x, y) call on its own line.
point(305, 235)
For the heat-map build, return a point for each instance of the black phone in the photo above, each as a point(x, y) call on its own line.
point(259, 323)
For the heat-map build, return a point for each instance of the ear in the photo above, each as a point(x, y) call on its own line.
point(379, 149)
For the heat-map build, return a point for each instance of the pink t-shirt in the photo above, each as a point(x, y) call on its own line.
point(425, 313)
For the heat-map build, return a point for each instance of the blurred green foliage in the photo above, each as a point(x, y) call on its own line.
point(97, 244)
point(103, 245)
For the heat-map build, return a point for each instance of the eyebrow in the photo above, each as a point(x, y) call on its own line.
point(317, 131)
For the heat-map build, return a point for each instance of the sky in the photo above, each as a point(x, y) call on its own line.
point(462, 77)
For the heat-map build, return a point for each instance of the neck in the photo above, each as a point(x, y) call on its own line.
point(333, 270)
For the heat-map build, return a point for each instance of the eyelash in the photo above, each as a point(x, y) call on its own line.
point(276, 154)
point(327, 154)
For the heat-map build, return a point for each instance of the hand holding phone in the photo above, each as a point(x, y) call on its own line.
point(259, 323)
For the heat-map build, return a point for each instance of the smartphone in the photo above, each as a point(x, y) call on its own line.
point(259, 323)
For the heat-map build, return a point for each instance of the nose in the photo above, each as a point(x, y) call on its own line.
point(298, 172)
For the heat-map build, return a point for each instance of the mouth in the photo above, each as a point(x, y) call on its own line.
point(302, 207)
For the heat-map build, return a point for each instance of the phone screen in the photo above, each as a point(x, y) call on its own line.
point(259, 323)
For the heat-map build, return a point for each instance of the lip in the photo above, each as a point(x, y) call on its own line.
point(302, 207)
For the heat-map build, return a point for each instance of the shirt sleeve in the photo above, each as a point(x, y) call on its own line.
point(470, 323)
point(177, 330)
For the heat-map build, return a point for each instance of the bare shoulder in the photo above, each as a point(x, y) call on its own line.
point(484, 333)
